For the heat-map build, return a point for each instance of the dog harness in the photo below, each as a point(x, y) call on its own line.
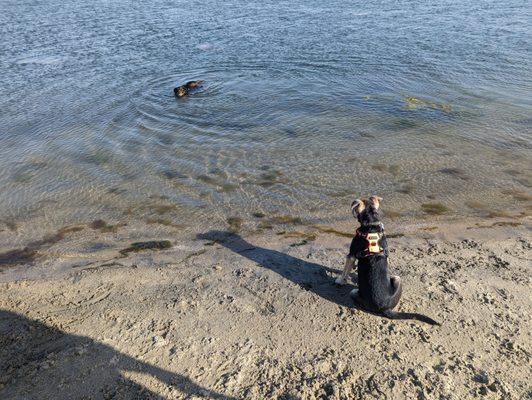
point(373, 240)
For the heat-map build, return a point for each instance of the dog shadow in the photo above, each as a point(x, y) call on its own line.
point(38, 361)
point(309, 276)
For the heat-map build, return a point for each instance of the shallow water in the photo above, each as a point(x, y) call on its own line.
point(305, 106)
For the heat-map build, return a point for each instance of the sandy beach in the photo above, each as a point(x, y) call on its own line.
point(258, 316)
point(170, 240)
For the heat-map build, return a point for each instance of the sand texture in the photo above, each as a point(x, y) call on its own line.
point(259, 317)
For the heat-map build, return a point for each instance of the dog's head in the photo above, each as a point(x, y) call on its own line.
point(180, 91)
point(366, 211)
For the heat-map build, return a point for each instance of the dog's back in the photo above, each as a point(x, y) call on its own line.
point(377, 290)
point(374, 283)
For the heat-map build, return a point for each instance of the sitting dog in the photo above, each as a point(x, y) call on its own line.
point(377, 291)
point(183, 90)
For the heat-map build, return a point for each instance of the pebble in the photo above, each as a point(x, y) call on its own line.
point(481, 377)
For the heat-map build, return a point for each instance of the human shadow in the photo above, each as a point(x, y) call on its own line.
point(309, 276)
point(38, 361)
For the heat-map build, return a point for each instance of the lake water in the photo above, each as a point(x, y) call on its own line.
point(306, 105)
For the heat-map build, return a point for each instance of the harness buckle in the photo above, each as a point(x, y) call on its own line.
point(373, 246)
point(373, 240)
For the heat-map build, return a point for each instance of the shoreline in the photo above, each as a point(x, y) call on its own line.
point(75, 247)
point(258, 316)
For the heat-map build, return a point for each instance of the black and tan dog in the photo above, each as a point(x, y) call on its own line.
point(184, 90)
point(377, 291)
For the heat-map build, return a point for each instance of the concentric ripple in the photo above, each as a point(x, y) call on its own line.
point(305, 105)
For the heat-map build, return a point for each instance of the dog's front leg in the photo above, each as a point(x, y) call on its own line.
point(349, 264)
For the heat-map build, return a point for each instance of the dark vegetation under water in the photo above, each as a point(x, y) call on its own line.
point(150, 245)
point(287, 226)
point(29, 253)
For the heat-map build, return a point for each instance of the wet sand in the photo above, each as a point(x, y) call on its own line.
point(257, 316)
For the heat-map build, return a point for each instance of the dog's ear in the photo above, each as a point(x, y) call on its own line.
point(357, 206)
point(376, 200)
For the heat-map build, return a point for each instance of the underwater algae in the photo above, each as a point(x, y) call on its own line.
point(434, 208)
point(149, 245)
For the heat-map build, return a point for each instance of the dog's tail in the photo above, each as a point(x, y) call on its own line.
point(404, 315)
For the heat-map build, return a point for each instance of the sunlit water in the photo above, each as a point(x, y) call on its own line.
point(306, 104)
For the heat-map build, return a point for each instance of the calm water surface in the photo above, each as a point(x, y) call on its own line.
point(306, 105)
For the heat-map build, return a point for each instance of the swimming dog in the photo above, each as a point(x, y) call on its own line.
point(183, 90)
point(377, 291)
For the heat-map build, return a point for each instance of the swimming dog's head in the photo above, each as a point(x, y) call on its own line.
point(180, 91)
point(366, 211)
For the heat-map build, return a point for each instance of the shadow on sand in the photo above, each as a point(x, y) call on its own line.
point(41, 362)
point(309, 276)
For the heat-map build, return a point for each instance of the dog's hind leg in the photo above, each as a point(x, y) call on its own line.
point(397, 286)
point(349, 264)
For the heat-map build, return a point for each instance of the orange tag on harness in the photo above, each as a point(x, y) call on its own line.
point(373, 239)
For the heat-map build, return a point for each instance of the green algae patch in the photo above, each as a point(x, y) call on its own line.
point(405, 188)
point(413, 103)
point(518, 195)
point(434, 208)
point(53, 239)
point(161, 209)
point(391, 169)
point(207, 179)
point(30, 252)
point(380, 167)
point(11, 225)
point(326, 229)
point(476, 205)
point(227, 187)
point(196, 253)
point(97, 158)
point(265, 225)
point(512, 172)
point(265, 179)
point(19, 256)
point(403, 123)
point(271, 222)
point(394, 169)
point(98, 224)
point(455, 172)
point(302, 243)
point(150, 245)
point(507, 223)
point(235, 224)
point(498, 214)
point(172, 174)
point(309, 237)
point(286, 220)
point(23, 177)
point(392, 214)
point(102, 226)
point(497, 224)
point(394, 235)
